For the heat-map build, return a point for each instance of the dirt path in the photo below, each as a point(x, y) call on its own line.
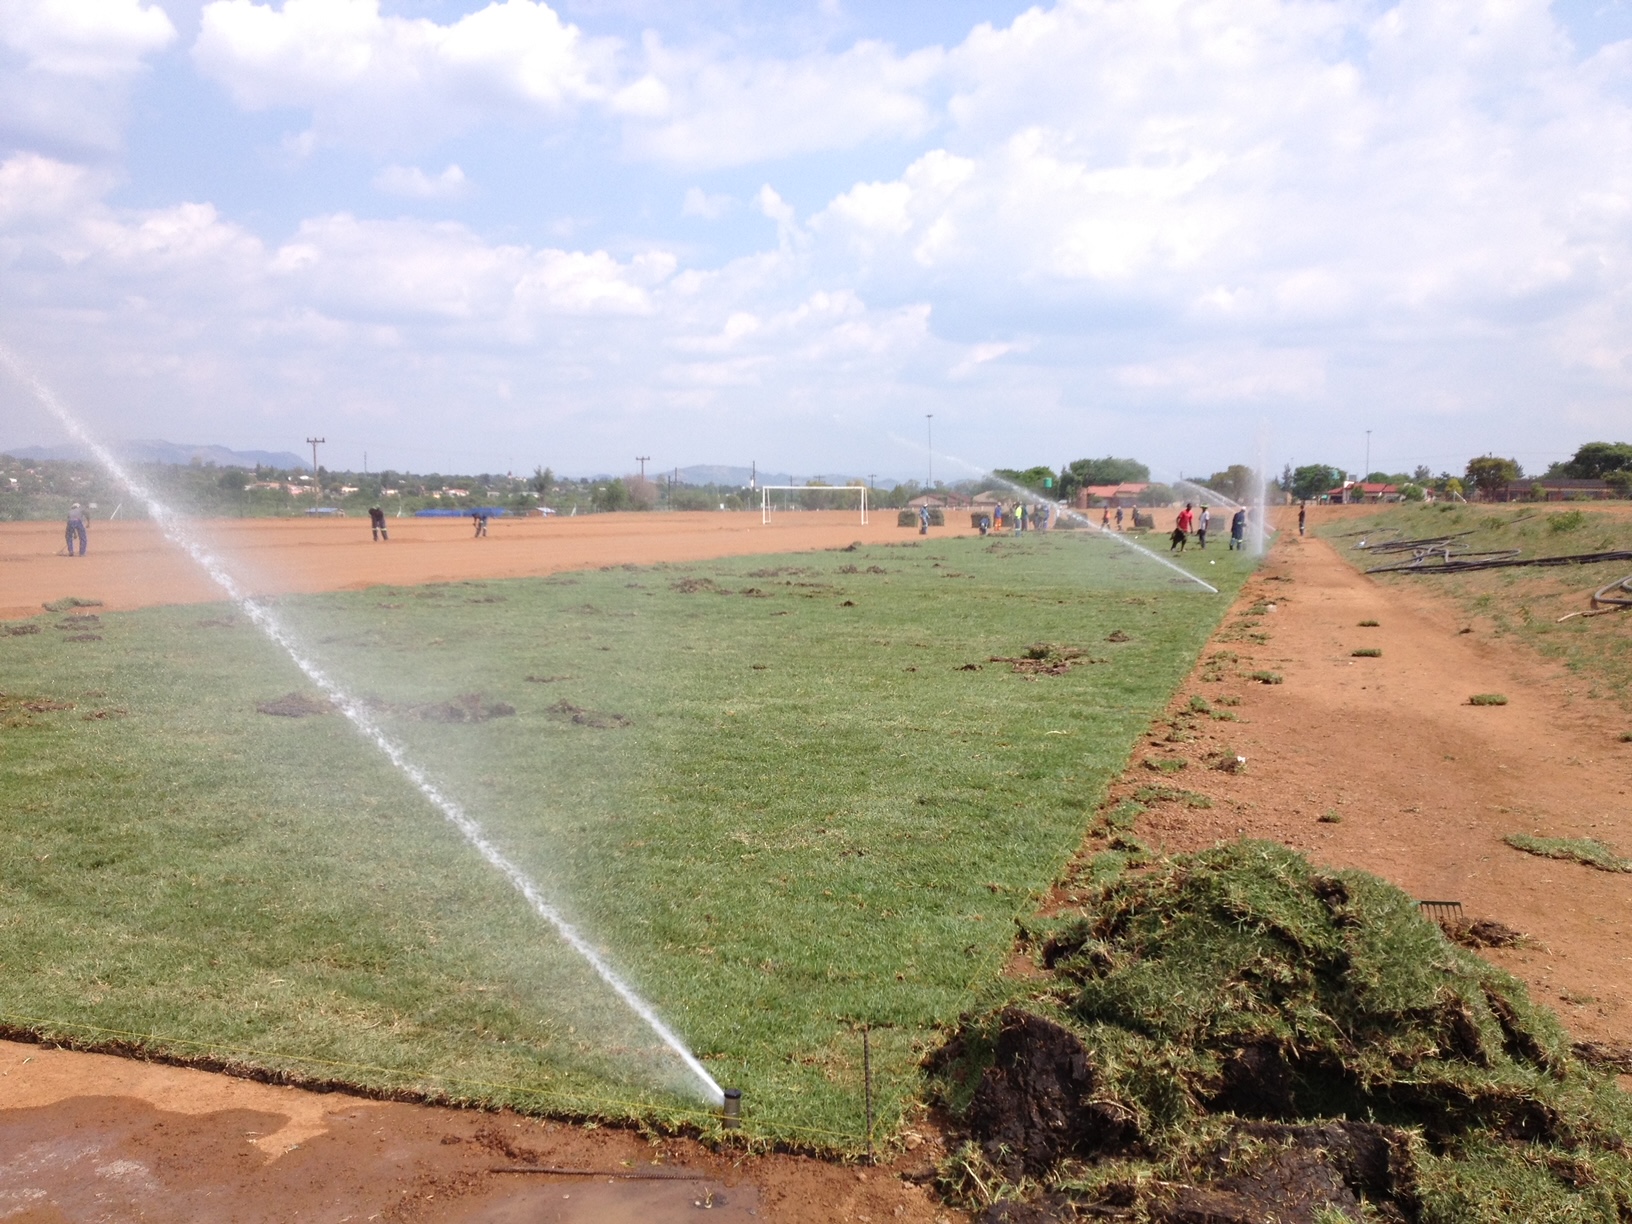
point(87, 1137)
point(1423, 786)
point(131, 565)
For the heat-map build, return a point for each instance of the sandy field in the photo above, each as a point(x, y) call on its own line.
point(131, 565)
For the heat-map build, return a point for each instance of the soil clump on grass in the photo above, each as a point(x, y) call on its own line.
point(294, 705)
point(579, 716)
point(1239, 1036)
point(1046, 659)
point(467, 708)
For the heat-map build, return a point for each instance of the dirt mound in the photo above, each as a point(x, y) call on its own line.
point(21, 630)
point(588, 718)
point(1046, 659)
point(294, 705)
point(468, 708)
point(1209, 1034)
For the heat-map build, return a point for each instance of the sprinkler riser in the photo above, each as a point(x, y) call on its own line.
point(731, 1111)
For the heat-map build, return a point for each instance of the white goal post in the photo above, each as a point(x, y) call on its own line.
point(765, 492)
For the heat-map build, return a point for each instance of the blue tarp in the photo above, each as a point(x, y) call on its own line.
point(490, 511)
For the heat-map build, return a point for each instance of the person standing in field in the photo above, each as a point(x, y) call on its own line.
point(1201, 526)
point(923, 520)
point(1105, 519)
point(75, 529)
point(1238, 530)
point(1119, 516)
point(1303, 511)
point(376, 520)
point(480, 519)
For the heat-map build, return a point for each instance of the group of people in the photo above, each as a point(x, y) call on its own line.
point(1189, 520)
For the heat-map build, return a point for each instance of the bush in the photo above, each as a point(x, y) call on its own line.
point(1569, 520)
point(1488, 699)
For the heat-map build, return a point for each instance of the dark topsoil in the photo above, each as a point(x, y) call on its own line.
point(1237, 1038)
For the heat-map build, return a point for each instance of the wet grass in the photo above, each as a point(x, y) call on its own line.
point(789, 796)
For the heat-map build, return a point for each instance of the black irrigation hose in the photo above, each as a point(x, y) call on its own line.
point(1404, 545)
point(1463, 567)
point(1604, 602)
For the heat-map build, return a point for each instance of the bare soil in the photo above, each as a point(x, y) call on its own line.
point(131, 565)
point(1380, 763)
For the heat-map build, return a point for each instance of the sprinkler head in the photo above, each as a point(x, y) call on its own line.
point(731, 1115)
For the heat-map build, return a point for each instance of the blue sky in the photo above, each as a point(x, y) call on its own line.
point(473, 236)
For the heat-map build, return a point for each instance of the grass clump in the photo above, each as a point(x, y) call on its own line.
point(1568, 520)
point(1488, 699)
point(1266, 677)
point(1237, 1035)
point(1586, 850)
point(1370, 624)
point(1366, 652)
point(1166, 765)
point(70, 602)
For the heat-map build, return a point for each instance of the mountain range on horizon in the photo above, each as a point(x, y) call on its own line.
point(155, 450)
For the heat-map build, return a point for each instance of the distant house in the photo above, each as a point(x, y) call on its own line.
point(1557, 488)
point(1125, 494)
point(1357, 491)
point(946, 499)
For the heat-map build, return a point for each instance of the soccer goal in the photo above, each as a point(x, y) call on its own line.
point(778, 499)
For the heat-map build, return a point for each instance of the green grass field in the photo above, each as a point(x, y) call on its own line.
point(789, 796)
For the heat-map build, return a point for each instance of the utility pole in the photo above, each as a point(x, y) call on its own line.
point(314, 443)
point(753, 474)
point(870, 476)
point(1366, 475)
point(929, 444)
point(641, 459)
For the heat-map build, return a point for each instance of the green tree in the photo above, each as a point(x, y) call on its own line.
point(1037, 479)
point(1107, 471)
point(543, 480)
point(1596, 460)
point(1314, 479)
point(613, 495)
point(1238, 482)
point(1491, 475)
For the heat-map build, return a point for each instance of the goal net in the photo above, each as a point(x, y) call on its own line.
point(787, 499)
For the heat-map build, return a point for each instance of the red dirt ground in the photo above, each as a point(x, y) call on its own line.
point(131, 565)
point(1424, 785)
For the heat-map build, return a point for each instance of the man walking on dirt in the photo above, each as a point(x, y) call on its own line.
point(1303, 512)
point(1181, 528)
point(376, 520)
point(1201, 526)
point(480, 519)
point(75, 529)
point(1238, 530)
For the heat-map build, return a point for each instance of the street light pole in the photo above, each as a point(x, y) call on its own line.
point(1366, 475)
point(929, 440)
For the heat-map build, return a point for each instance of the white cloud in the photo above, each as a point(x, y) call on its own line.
point(413, 182)
point(699, 203)
point(979, 354)
point(84, 38)
point(66, 67)
point(702, 110)
point(385, 81)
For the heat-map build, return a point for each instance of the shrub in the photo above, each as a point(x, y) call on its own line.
point(1569, 520)
point(1488, 699)
point(1266, 677)
point(1367, 652)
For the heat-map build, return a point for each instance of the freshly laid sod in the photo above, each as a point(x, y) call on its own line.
point(787, 797)
point(1588, 851)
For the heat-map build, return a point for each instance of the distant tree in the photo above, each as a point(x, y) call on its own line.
point(1450, 486)
point(1422, 475)
point(1620, 480)
point(1157, 495)
point(1314, 479)
point(1596, 460)
point(1491, 475)
point(1238, 482)
point(1037, 479)
point(543, 480)
point(642, 492)
point(613, 495)
point(1412, 491)
point(1106, 471)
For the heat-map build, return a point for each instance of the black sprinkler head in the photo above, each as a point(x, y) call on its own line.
point(731, 1115)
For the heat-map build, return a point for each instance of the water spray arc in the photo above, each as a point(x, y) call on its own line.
point(473, 833)
point(1032, 498)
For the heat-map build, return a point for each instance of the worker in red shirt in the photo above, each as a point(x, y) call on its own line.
point(1181, 528)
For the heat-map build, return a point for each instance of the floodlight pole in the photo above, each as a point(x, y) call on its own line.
point(929, 445)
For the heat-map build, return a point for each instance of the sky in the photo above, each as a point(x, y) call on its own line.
point(463, 236)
